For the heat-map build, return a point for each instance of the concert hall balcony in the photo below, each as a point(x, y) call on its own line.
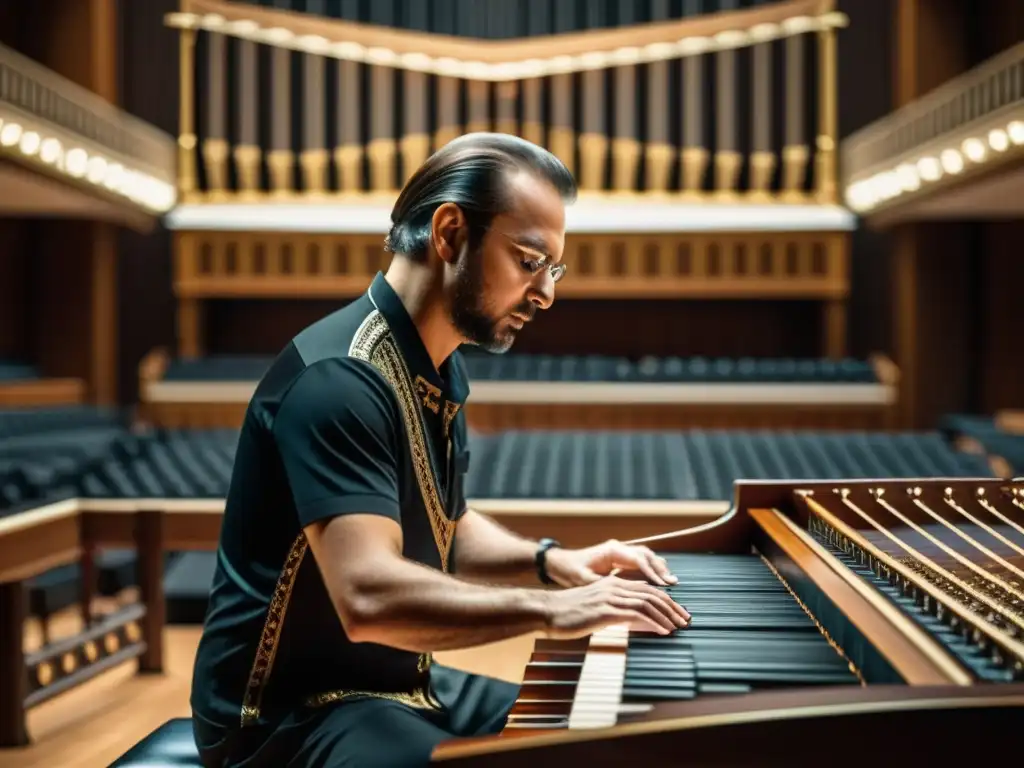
point(67, 152)
point(953, 153)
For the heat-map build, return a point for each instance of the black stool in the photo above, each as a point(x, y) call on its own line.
point(171, 745)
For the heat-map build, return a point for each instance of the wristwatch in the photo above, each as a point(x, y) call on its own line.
point(542, 550)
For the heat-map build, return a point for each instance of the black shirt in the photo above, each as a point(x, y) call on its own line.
point(352, 417)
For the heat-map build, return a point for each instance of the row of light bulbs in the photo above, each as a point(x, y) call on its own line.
point(508, 70)
point(910, 176)
point(139, 187)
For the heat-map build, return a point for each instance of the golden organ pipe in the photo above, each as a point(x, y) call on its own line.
point(187, 131)
point(593, 141)
point(348, 151)
point(479, 98)
point(826, 157)
point(506, 94)
point(382, 142)
point(415, 142)
point(314, 151)
point(762, 159)
point(795, 150)
point(280, 157)
point(727, 159)
point(448, 126)
point(533, 126)
point(625, 148)
point(247, 151)
point(694, 155)
point(215, 145)
point(562, 138)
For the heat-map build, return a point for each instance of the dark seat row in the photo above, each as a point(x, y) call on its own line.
point(693, 464)
point(41, 420)
point(15, 370)
point(483, 366)
point(989, 436)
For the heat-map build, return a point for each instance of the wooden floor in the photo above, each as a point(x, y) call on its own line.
point(92, 725)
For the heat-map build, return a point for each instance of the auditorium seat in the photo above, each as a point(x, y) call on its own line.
point(483, 366)
point(983, 435)
point(169, 746)
point(579, 391)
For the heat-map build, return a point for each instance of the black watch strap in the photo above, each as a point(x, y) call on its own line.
point(541, 559)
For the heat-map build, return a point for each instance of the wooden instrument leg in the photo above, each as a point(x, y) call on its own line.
point(13, 730)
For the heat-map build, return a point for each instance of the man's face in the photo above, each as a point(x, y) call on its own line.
point(500, 286)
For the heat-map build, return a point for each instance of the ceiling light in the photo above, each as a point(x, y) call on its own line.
point(952, 161)
point(998, 140)
point(974, 149)
point(1016, 131)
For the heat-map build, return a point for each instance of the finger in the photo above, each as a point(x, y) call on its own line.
point(646, 609)
point(661, 566)
point(636, 621)
point(678, 613)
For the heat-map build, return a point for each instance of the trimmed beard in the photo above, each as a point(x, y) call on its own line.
point(471, 316)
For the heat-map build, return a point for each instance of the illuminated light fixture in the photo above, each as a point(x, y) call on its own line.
point(1016, 131)
point(929, 169)
point(998, 140)
point(50, 151)
point(30, 143)
point(76, 161)
point(145, 190)
point(10, 134)
point(974, 149)
point(96, 170)
point(952, 161)
point(908, 177)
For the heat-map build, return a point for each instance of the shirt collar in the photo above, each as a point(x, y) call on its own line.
point(451, 380)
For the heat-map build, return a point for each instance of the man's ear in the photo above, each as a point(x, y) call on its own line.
point(447, 231)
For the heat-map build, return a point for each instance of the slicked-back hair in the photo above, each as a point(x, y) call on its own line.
point(472, 172)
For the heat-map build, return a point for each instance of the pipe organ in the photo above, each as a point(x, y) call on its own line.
point(735, 104)
point(704, 146)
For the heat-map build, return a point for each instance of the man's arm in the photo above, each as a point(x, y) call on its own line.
point(337, 431)
point(384, 598)
point(486, 550)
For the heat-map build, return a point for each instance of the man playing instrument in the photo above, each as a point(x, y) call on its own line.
point(348, 554)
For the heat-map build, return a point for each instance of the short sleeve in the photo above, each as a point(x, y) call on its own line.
point(336, 434)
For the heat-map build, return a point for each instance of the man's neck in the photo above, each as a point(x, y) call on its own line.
point(419, 288)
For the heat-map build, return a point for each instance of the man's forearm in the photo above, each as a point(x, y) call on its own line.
point(409, 606)
point(486, 550)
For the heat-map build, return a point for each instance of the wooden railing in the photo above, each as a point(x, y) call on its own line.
point(968, 124)
point(282, 104)
point(50, 122)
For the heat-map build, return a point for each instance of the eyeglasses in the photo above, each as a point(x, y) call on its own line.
point(537, 260)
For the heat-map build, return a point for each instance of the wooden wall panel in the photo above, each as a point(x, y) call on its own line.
point(13, 282)
point(629, 328)
point(1001, 365)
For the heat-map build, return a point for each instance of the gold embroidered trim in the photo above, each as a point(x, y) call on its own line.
point(377, 347)
point(267, 649)
point(451, 410)
point(428, 393)
point(421, 698)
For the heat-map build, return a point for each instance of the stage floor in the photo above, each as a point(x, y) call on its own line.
point(92, 725)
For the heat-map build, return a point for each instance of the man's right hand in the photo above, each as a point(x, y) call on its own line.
point(581, 611)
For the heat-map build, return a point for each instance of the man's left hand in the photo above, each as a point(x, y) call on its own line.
point(576, 567)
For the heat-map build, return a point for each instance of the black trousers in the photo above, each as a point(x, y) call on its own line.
point(369, 732)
